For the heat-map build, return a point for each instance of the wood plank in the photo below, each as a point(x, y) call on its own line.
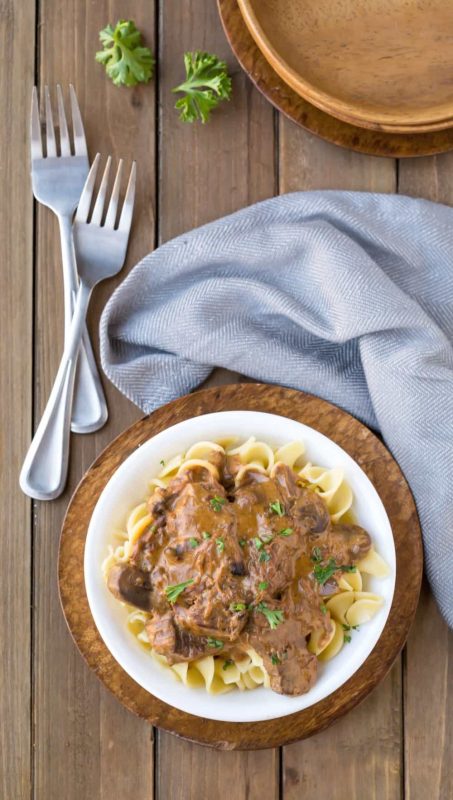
point(17, 25)
point(205, 172)
point(85, 742)
point(428, 707)
point(328, 764)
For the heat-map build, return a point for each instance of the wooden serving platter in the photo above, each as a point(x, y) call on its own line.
point(382, 470)
point(313, 119)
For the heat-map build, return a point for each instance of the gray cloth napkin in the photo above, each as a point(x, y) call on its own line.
point(345, 295)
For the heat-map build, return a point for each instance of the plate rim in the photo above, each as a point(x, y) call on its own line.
point(242, 735)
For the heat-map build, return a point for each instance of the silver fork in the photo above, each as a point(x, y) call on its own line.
point(58, 180)
point(101, 249)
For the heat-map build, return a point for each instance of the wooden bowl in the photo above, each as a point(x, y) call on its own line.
point(381, 469)
point(380, 64)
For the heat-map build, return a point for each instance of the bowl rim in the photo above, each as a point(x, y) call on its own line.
point(113, 645)
point(390, 122)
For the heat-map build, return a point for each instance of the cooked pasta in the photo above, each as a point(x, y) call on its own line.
point(349, 607)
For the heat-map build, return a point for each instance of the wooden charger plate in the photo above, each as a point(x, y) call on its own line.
point(382, 64)
point(382, 470)
point(308, 116)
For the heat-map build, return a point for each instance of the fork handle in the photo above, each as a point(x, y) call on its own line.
point(89, 410)
point(45, 468)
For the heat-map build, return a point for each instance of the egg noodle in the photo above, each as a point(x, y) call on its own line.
point(350, 607)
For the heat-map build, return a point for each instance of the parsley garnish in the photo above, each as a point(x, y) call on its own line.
point(220, 544)
point(242, 542)
point(263, 585)
point(273, 617)
point(217, 503)
point(286, 532)
point(275, 659)
point(162, 462)
point(347, 638)
point(323, 573)
point(206, 535)
point(323, 609)
point(258, 543)
point(238, 607)
point(174, 591)
point(228, 663)
point(264, 556)
point(277, 508)
point(316, 554)
point(193, 542)
point(211, 642)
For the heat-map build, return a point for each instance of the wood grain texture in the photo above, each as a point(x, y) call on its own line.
point(428, 673)
point(330, 759)
point(207, 171)
point(280, 94)
point(383, 472)
point(381, 64)
point(83, 744)
point(17, 25)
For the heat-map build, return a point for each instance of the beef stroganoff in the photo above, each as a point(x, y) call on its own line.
point(245, 567)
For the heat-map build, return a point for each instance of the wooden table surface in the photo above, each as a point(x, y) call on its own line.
point(62, 735)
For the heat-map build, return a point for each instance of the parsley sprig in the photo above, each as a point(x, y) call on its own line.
point(207, 83)
point(277, 508)
point(273, 616)
point(323, 572)
point(126, 60)
point(174, 591)
point(217, 502)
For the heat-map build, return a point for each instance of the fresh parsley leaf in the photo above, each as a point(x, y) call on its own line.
point(174, 591)
point(277, 508)
point(316, 554)
point(347, 638)
point(162, 462)
point(228, 663)
point(207, 83)
point(258, 543)
point(322, 573)
point(193, 542)
point(263, 585)
point(206, 535)
point(238, 607)
point(275, 659)
point(323, 608)
point(242, 542)
point(264, 556)
point(273, 617)
point(220, 544)
point(217, 503)
point(286, 532)
point(126, 61)
point(346, 627)
point(211, 642)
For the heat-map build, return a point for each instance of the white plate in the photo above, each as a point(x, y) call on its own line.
point(129, 486)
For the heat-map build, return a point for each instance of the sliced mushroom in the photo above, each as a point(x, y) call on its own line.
point(131, 585)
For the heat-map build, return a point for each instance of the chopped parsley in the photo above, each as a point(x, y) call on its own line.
point(264, 556)
point(228, 663)
point(316, 554)
point(350, 627)
point(322, 573)
point(258, 543)
point(277, 508)
point(242, 542)
point(174, 591)
point(217, 503)
point(323, 608)
point(275, 659)
point(220, 544)
point(274, 617)
point(206, 535)
point(263, 585)
point(193, 542)
point(347, 638)
point(238, 607)
point(162, 462)
point(211, 642)
point(286, 532)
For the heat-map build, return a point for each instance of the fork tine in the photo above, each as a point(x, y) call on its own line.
point(80, 145)
point(128, 205)
point(50, 132)
point(96, 216)
point(65, 147)
point(83, 209)
point(35, 127)
point(113, 205)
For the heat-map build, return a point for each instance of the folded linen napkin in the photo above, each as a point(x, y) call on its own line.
point(345, 295)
